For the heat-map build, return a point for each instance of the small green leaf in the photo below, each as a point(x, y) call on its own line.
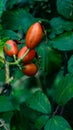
point(41, 121)
point(57, 123)
point(64, 90)
point(39, 102)
point(64, 42)
point(1, 52)
point(5, 104)
point(1, 48)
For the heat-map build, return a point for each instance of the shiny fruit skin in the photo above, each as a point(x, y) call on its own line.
point(12, 48)
point(31, 54)
point(30, 69)
point(34, 35)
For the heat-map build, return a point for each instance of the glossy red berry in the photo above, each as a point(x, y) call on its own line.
point(34, 35)
point(11, 48)
point(30, 56)
point(30, 69)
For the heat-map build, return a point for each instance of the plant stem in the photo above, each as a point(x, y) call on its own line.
point(8, 78)
point(38, 80)
point(7, 71)
point(19, 60)
point(3, 124)
point(7, 64)
point(14, 56)
point(54, 113)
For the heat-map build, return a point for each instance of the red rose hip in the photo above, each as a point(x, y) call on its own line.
point(30, 69)
point(34, 35)
point(30, 56)
point(11, 48)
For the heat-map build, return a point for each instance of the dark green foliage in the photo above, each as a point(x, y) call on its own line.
point(65, 8)
point(43, 101)
point(16, 19)
point(57, 123)
point(64, 42)
point(2, 6)
point(59, 25)
point(64, 90)
point(5, 104)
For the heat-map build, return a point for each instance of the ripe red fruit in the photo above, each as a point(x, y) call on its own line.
point(10, 48)
point(34, 35)
point(31, 54)
point(30, 69)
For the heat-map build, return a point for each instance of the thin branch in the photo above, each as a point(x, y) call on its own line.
point(7, 72)
point(19, 60)
point(3, 124)
point(57, 108)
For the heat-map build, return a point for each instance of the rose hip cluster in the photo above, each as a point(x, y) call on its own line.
point(27, 53)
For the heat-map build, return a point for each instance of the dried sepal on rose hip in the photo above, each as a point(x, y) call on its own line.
point(11, 48)
point(30, 69)
point(34, 35)
point(30, 56)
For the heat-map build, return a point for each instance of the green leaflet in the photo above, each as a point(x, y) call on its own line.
point(57, 123)
point(64, 90)
point(65, 8)
point(39, 102)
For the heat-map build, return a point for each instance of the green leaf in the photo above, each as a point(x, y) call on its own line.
point(6, 116)
point(57, 123)
point(29, 113)
point(5, 104)
point(1, 52)
point(2, 6)
point(49, 58)
point(41, 121)
point(20, 122)
point(64, 90)
point(64, 42)
point(39, 102)
point(9, 34)
point(65, 8)
point(59, 25)
point(70, 65)
point(2, 42)
point(17, 20)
